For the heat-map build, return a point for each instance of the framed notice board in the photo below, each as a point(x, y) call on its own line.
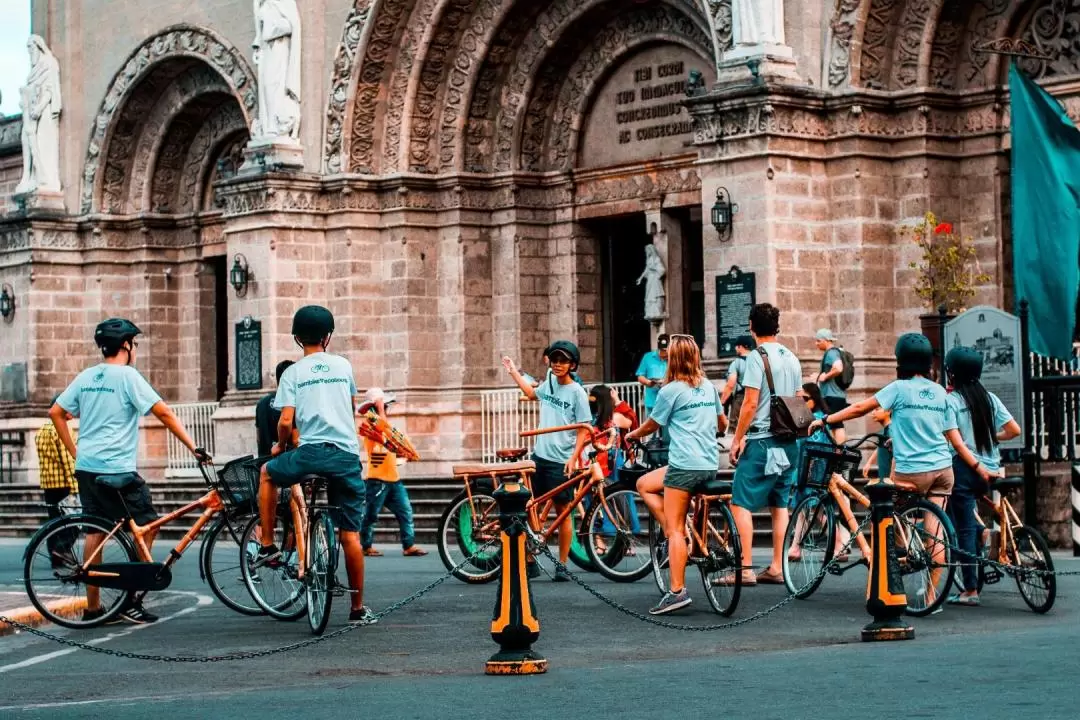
point(249, 354)
point(736, 293)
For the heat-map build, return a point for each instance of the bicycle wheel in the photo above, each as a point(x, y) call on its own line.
point(319, 578)
point(658, 556)
point(52, 570)
point(925, 555)
point(579, 555)
point(467, 529)
point(1032, 553)
point(614, 539)
point(720, 571)
point(219, 561)
point(811, 532)
point(278, 591)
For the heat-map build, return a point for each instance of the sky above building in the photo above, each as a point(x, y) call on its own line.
point(14, 62)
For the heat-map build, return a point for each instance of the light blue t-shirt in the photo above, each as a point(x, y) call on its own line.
point(830, 388)
point(108, 400)
point(787, 379)
point(919, 422)
point(737, 369)
point(689, 414)
point(321, 389)
point(653, 368)
point(560, 405)
point(961, 416)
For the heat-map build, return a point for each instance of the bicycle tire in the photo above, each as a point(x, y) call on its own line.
point(227, 582)
point(278, 591)
point(1038, 558)
point(38, 571)
point(815, 517)
point(723, 559)
point(916, 558)
point(458, 534)
point(624, 543)
point(578, 553)
point(319, 575)
point(658, 556)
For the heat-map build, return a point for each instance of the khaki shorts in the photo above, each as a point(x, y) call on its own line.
point(934, 482)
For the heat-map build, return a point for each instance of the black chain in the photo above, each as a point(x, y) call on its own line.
point(1011, 569)
point(699, 628)
point(251, 654)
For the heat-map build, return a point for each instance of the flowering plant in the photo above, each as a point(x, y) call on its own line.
point(948, 271)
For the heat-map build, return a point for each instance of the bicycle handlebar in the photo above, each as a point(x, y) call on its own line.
point(877, 438)
point(560, 428)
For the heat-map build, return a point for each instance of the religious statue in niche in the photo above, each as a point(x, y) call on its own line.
point(277, 55)
point(40, 103)
point(653, 277)
point(757, 22)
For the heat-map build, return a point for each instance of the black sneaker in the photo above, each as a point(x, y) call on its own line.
point(92, 615)
point(138, 615)
point(561, 575)
point(269, 556)
point(532, 570)
point(363, 616)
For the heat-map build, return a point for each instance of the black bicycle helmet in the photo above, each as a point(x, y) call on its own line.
point(566, 348)
point(312, 323)
point(914, 354)
point(964, 364)
point(114, 332)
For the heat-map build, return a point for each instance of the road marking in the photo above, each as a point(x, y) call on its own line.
point(128, 700)
point(200, 602)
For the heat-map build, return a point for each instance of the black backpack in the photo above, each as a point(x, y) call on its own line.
point(847, 375)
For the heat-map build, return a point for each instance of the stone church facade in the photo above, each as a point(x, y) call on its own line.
point(481, 176)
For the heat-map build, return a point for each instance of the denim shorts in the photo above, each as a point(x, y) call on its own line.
point(754, 489)
point(548, 476)
point(688, 480)
point(346, 490)
point(124, 495)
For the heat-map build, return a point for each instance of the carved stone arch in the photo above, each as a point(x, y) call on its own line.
point(343, 80)
point(217, 138)
point(131, 95)
point(875, 35)
point(913, 41)
point(534, 51)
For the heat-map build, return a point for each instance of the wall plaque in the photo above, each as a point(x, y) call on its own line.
point(736, 293)
point(249, 354)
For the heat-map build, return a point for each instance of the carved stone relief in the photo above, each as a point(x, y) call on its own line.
point(1055, 30)
point(841, 33)
point(340, 78)
point(225, 122)
point(879, 28)
point(910, 39)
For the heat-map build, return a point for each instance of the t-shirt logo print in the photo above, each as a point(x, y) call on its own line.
point(926, 394)
point(698, 391)
point(99, 377)
point(320, 368)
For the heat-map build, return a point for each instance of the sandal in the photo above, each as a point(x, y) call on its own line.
point(414, 551)
point(372, 552)
point(749, 579)
point(766, 577)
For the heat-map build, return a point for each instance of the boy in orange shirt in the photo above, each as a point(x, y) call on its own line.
point(384, 486)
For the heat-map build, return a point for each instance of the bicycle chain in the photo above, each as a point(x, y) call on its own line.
point(699, 628)
point(250, 655)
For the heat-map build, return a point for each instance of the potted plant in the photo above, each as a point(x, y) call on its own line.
point(947, 273)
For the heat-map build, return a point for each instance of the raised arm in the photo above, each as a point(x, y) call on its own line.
point(526, 387)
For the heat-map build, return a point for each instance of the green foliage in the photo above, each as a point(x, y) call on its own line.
point(948, 271)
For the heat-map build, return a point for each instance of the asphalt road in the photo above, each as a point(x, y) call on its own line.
point(426, 660)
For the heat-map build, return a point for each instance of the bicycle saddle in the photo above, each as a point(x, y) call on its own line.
point(511, 454)
point(312, 478)
point(1007, 483)
point(716, 486)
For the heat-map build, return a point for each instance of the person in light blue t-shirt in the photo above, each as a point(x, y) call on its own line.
point(109, 398)
point(983, 422)
point(652, 370)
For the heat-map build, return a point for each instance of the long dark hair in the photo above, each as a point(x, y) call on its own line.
point(602, 406)
point(814, 393)
point(981, 411)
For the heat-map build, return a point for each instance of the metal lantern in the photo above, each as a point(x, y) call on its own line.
point(238, 276)
point(723, 212)
point(7, 301)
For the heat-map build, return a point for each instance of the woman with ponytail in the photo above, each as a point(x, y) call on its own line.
point(983, 422)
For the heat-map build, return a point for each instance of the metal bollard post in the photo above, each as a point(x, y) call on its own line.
point(1076, 510)
point(514, 624)
point(885, 598)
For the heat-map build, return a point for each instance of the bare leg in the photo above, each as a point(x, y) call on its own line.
point(779, 529)
point(268, 500)
point(354, 565)
point(566, 533)
point(744, 521)
point(843, 534)
point(651, 487)
point(93, 593)
point(932, 529)
point(676, 503)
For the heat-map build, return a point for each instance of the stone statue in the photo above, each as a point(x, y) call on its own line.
point(757, 22)
point(653, 277)
point(40, 103)
point(277, 55)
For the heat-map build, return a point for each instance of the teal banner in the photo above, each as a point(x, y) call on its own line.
point(1045, 214)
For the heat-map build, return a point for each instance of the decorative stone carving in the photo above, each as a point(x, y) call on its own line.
point(41, 106)
point(176, 41)
point(634, 187)
point(224, 127)
point(841, 33)
point(338, 98)
point(10, 132)
point(877, 31)
point(1055, 30)
point(277, 52)
point(909, 41)
point(653, 277)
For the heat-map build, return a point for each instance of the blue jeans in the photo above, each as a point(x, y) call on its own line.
point(395, 498)
point(968, 488)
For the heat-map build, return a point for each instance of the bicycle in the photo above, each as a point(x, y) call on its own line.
point(121, 570)
point(714, 547)
point(306, 575)
point(1019, 550)
point(924, 533)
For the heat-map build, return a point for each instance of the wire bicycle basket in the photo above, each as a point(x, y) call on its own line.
point(238, 483)
point(819, 461)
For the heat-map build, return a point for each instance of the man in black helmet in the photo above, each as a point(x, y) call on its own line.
point(109, 399)
point(317, 396)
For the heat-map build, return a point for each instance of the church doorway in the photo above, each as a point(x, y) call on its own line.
point(626, 331)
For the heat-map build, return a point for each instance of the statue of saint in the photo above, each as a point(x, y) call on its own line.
point(40, 102)
point(757, 22)
point(277, 55)
point(653, 277)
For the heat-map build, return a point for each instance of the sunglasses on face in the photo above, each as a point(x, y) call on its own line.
point(559, 360)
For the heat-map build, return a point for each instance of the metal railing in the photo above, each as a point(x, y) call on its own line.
point(198, 420)
point(12, 445)
point(1055, 403)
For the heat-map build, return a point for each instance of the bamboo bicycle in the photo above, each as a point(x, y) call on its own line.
point(471, 521)
point(121, 570)
point(925, 535)
point(1020, 548)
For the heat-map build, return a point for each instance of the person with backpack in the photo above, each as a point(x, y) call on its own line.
point(837, 371)
point(731, 396)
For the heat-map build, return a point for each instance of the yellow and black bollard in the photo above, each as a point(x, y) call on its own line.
point(885, 598)
point(514, 625)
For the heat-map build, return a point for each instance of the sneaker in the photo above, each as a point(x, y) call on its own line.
point(532, 570)
point(91, 615)
point(138, 615)
point(561, 575)
point(269, 556)
point(671, 602)
point(363, 616)
point(969, 600)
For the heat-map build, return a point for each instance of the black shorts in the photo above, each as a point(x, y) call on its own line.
point(548, 476)
point(835, 405)
point(132, 501)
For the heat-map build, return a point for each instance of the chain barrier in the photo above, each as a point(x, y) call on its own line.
point(981, 561)
point(250, 655)
point(696, 628)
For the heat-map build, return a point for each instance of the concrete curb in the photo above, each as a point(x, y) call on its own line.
point(29, 615)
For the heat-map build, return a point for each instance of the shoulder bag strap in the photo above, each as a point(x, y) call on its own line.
point(768, 370)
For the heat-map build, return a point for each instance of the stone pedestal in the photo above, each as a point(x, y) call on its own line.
point(41, 200)
point(270, 154)
point(758, 64)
